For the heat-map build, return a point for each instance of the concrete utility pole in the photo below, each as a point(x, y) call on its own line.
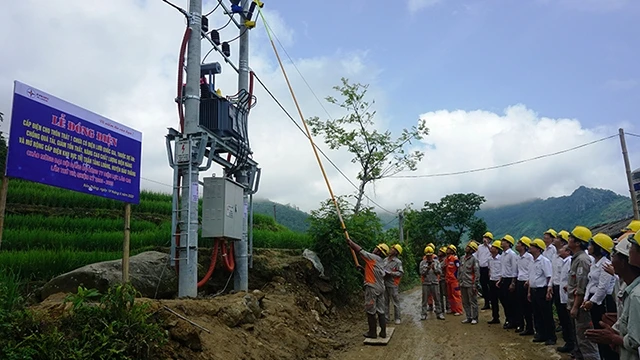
point(401, 226)
point(241, 276)
point(627, 166)
point(188, 249)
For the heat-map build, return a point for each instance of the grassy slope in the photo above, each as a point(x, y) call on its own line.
point(49, 231)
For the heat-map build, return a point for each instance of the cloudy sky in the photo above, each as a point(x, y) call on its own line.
point(495, 81)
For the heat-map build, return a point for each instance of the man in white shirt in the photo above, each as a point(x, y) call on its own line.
point(524, 314)
point(495, 272)
point(561, 263)
point(484, 255)
point(550, 251)
point(507, 283)
point(540, 294)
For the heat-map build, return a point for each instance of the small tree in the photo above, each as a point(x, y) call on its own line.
point(379, 154)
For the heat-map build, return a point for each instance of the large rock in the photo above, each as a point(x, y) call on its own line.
point(148, 271)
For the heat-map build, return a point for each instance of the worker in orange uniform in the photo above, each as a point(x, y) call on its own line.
point(373, 287)
point(452, 263)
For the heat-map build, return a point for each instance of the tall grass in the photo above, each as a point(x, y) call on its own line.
point(281, 239)
point(46, 264)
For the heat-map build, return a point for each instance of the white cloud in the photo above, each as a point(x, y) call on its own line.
point(119, 59)
point(417, 5)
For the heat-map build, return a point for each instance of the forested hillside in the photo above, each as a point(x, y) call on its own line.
point(585, 206)
point(287, 215)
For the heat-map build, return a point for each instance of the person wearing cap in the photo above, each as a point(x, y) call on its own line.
point(451, 266)
point(468, 276)
point(559, 263)
point(495, 273)
point(483, 254)
point(442, 259)
point(524, 312)
point(630, 230)
point(576, 288)
point(373, 287)
point(598, 299)
point(507, 283)
point(625, 333)
point(429, 273)
point(393, 272)
point(549, 237)
point(430, 298)
point(541, 293)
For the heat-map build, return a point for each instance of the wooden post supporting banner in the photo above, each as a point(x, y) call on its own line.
point(627, 167)
point(3, 204)
point(125, 247)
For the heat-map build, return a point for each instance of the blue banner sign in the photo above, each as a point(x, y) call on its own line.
point(56, 143)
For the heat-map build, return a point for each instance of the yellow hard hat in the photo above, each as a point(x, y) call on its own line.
point(564, 235)
point(635, 239)
point(432, 245)
point(581, 233)
point(539, 244)
point(634, 226)
point(452, 248)
point(526, 241)
point(510, 239)
point(428, 250)
point(551, 232)
point(497, 244)
point(443, 249)
point(473, 245)
point(488, 235)
point(604, 241)
point(384, 248)
point(398, 248)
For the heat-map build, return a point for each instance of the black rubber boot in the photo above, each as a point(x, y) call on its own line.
point(383, 325)
point(371, 320)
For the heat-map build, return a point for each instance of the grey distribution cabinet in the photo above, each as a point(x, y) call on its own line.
point(222, 208)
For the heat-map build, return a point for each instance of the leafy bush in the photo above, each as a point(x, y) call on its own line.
point(114, 328)
point(329, 243)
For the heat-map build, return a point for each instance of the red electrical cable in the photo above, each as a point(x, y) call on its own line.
point(229, 261)
point(212, 264)
point(183, 49)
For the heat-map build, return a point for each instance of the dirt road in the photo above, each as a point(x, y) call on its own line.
point(448, 339)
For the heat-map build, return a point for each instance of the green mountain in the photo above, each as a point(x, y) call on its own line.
point(586, 206)
point(287, 215)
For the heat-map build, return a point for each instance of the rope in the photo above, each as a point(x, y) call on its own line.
point(306, 127)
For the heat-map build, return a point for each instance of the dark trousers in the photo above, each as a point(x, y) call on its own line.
point(523, 312)
point(563, 315)
point(484, 283)
point(494, 296)
point(508, 299)
point(597, 311)
point(543, 314)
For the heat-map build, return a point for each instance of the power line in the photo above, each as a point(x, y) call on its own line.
point(632, 134)
point(154, 181)
point(320, 150)
point(503, 165)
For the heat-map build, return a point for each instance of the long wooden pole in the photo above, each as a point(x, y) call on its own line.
point(125, 247)
point(3, 203)
point(627, 166)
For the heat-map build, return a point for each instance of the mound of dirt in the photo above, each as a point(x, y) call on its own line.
point(287, 315)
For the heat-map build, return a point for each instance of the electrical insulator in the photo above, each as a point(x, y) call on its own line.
point(252, 7)
point(226, 50)
point(205, 24)
point(215, 37)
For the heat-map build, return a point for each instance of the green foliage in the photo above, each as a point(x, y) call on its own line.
point(330, 244)
point(584, 206)
point(477, 229)
point(445, 222)
point(281, 240)
point(287, 215)
point(116, 327)
point(378, 154)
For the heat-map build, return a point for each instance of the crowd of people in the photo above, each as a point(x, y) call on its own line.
point(591, 280)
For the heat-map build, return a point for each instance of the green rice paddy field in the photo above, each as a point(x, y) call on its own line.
point(50, 231)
